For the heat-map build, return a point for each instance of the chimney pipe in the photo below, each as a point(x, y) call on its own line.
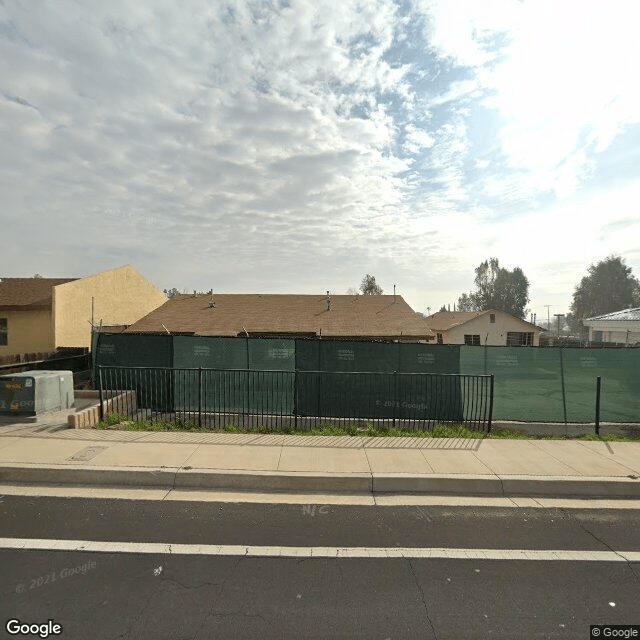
point(394, 293)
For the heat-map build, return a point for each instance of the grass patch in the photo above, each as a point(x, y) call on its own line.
point(356, 429)
point(607, 437)
point(509, 434)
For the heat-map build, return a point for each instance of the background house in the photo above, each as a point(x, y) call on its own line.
point(40, 315)
point(492, 327)
point(622, 327)
point(287, 316)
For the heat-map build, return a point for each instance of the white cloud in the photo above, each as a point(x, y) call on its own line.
point(268, 147)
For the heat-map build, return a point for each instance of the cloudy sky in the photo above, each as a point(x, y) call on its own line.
point(292, 147)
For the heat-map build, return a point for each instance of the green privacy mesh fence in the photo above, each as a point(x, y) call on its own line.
point(531, 384)
point(231, 388)
point(559, 384)
point(123, 350)
point(330, 355)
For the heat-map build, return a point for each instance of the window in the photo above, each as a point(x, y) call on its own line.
point(3, 332)
point(519, 339)
point(473, 340)
point(492, 317)
point(439, 335)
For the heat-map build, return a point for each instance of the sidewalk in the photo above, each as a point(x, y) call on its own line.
point(52, 454)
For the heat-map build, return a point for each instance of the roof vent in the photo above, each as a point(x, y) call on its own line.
point(211, 304)
point(328, 302)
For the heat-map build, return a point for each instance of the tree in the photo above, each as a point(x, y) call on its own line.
point(37, 275)
point(170, 293)
point(352, 291)
point(369, 286)
point(465, 303)
point(497, 288)
point(442, 308)
point(610, 286)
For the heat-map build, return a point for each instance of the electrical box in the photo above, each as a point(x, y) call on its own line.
point(32, 393)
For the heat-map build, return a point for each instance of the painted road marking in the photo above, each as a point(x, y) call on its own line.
point(96, 546)
point(203, 495)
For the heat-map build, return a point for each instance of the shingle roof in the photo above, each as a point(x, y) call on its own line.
point(349, 316)
point(445, 320)
point(625, 314)
point(28, 292)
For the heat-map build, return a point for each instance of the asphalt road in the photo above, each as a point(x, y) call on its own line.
point(156, 596)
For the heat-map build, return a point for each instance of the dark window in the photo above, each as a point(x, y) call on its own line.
point(492, 317)
point(473, 340)
point(3, 332)
point(439, 338)
point(519, 339)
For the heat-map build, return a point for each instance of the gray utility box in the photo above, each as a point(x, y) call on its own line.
point(32, 393)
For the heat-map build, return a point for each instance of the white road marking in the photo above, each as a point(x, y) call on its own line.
point(94, 546)
point(156, 494)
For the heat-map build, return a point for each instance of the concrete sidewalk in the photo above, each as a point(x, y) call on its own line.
point(52, 454)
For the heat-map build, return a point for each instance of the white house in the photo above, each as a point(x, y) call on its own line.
point(491, 327)
point(622, 327)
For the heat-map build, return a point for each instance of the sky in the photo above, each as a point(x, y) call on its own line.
point(293, 147)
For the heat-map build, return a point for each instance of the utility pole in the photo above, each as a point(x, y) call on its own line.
point(558, 315)
point(548, 317)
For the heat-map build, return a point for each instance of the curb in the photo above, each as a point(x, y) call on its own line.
point(292, 481)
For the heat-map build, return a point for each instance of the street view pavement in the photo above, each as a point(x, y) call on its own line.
point(134, 535)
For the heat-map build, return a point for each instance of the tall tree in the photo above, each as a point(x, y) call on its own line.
point(465, 303)
point(610, 286)
point(497, 288)
point(369, 287)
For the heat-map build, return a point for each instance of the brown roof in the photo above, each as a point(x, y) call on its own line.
point(28, 292)
point(445, 320)
point(274, 314)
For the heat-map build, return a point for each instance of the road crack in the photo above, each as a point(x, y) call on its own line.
point(222, 585)
point(604, 543)
point(424, 602)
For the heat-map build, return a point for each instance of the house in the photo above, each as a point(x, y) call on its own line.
point(492, 327)
point(622, 327)
point(287, 316)
point(40, 315)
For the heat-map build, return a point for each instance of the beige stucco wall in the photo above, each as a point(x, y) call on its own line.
point(494, 333)
point(29, 331)
point(121, 296)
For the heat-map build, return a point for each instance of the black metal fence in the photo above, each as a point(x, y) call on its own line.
point(213, 398)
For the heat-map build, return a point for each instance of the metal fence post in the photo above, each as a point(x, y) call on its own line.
point(101, 406)
point(564, 398)
point(598, 379)
point(200, 397)
point(295, 398)
point(395, 396)
point(490, 403)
